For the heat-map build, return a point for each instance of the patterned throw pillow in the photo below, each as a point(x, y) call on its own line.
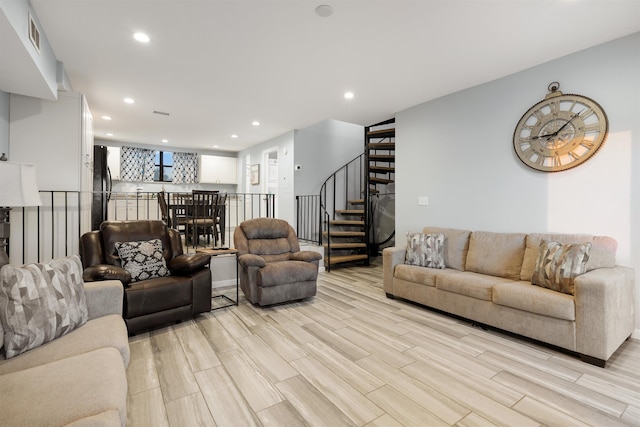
point(426, 250)
point(41, 302)
point(143, 260)
point(558, 265)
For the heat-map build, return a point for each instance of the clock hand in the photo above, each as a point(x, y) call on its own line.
point(558, 131)
point(565, 125)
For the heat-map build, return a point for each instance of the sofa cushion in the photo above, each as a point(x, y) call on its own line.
point(143, 259)
point(456, 245)
point(41, 302)
point(417, 274)
point(603, 250)
point(559, 264)
point(284, 272)
point(64, 391)
point(106, 331)
point(473, 285)
point(534, 299)
point(425, 250)
point(496, 254)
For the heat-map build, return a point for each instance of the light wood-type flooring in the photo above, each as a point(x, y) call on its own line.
point(352, 357)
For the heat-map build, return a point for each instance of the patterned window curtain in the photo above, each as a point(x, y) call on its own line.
point(137, 164)
point(185, 168)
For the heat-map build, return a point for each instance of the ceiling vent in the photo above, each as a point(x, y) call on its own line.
point(34, 33)
point(162, 113)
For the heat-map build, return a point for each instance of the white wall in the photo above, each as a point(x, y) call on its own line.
point(458, 151)
point(285, 200)
point(322, 149)
point(28, 72)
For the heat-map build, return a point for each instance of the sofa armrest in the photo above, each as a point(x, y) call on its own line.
point(307, 256)
point(604, 310)
point(251, 260)
point(390, 258)
point(106, 272)
point(104, 298)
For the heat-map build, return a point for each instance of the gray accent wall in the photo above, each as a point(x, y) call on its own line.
point(323, 148)
point(458, 151)
point(4, 122)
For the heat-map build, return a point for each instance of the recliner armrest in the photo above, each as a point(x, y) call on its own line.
point(251, 260)
point(106, 272)
point(307, 256)
point(188, 263)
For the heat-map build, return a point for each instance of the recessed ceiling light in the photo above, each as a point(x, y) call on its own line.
point(165, 140)
point(324, 10)
point(106, 117)
point(348, 95)
point(129, 101)
point(255, 123)
point(234, 136)
point(215, 146)
point(141, 37)
point(109, 134)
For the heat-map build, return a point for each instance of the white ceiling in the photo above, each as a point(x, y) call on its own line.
point(216, 65)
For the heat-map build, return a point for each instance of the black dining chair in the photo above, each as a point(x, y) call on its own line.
point(201, 221)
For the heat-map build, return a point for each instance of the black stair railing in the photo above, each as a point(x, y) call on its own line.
point(347, 183)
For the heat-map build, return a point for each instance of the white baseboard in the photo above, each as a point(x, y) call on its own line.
point(636, 334)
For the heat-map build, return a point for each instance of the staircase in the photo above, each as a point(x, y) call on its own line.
point(349, 198)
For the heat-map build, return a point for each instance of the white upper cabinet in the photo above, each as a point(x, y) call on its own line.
point(218, 170)
point(113, 161)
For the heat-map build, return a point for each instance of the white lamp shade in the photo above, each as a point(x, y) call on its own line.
point(18, 185)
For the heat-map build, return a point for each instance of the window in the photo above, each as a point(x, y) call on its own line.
point(163, 171)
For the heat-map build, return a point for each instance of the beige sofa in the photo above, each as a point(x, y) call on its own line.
point(79, 378)
point(487, 279)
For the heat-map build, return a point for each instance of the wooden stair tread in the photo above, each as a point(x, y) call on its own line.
point(356, 202)
point(345, 245)
point(337, 259)
point(381, 133)
point(381, 146)
point(373, 190)
point(380, 180)
point(381, 169)
point(386, 157)
point(350, 211)
point(345, 233)
point(346, 222)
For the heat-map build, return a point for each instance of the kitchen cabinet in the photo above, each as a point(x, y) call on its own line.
point(113, 162)
point(218, 170)
point(56, 136)
point(131, 206)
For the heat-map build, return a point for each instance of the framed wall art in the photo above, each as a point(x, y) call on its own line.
point(255, 174)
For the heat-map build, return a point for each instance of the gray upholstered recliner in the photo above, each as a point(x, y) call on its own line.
point(273, 269)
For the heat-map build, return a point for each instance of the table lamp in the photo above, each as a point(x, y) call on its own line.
point(18, 188)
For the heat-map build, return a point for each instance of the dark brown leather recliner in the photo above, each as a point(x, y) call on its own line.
point(157, 301)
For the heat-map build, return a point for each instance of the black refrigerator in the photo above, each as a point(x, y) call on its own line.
point(101, 187)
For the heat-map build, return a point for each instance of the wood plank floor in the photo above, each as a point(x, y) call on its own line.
point(352, 357)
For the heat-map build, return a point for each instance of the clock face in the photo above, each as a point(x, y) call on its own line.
point(560, 132)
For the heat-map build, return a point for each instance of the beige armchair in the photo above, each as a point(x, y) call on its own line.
point(273, 269)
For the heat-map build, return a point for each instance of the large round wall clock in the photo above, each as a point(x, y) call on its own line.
point(560, 132)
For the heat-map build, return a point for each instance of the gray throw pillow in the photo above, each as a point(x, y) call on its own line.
point(425, 250)
point(41, 302)
point(558, 265)
point(143, 260)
